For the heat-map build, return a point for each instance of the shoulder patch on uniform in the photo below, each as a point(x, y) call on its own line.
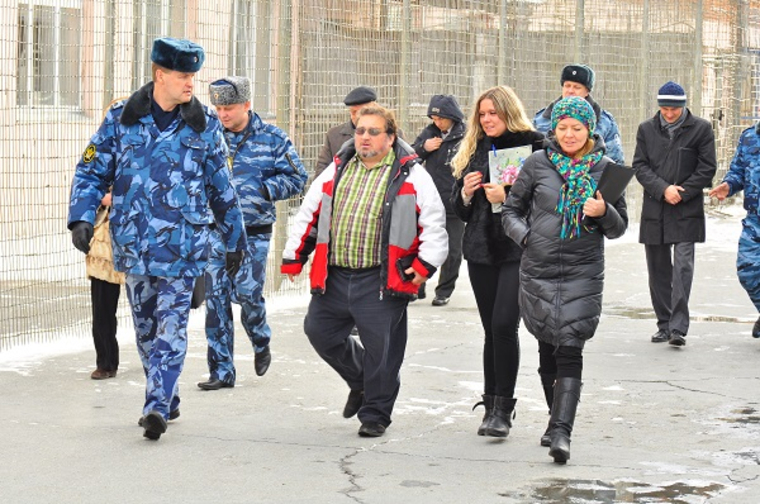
point(89, 153)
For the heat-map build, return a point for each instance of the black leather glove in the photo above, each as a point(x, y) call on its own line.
point(234, 260)
point(81, 234)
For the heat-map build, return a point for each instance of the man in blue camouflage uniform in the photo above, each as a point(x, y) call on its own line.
point(265, 168)
point(163, 153)
point(578, 80)
point(744, 174)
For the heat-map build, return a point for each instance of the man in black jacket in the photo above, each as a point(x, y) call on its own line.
point(674, 161)
point(436, 146)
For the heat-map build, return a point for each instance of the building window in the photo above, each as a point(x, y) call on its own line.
point(153, 19)
point(250, 50)
point(48, 53)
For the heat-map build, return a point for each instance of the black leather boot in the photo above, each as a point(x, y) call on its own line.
point(501, 420)
point(487, 403)
point(547, 381)
point(567, 394)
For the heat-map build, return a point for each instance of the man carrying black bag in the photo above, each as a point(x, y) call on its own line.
point(674, 162)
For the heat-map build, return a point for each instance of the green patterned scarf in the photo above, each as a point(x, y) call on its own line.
point(578, 187)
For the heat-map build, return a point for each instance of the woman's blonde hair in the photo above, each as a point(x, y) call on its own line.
point(509, 108)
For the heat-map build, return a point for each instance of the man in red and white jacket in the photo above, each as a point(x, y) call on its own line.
point(377, 227)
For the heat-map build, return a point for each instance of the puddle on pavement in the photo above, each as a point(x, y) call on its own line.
point(600, 492)
point(743, 416)
point(647, 313)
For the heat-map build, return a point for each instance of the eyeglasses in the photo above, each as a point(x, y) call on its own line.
point(372, 131)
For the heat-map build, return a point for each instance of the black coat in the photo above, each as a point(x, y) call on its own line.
point(438, 162)
point(561, 281)
point(484, 239)
point(656, 164)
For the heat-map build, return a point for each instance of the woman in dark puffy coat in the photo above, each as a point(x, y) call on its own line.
point(556, 214)
point(498, 121)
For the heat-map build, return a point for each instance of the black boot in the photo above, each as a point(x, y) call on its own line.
point(547, 381)
point(501, 420)
point(487, 403)
point(567, 394)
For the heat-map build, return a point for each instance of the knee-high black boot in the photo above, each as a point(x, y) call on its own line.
point(501, 420)
point(567, 394)
point(547, 381)
point(487, 403)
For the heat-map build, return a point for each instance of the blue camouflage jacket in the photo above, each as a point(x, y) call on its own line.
point(165, 186)
point(744, 173)
point(606, 127)
point(265, 169)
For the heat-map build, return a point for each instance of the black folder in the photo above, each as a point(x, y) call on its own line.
point(613, 181)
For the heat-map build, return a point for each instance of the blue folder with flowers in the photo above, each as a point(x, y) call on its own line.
point(505, 165)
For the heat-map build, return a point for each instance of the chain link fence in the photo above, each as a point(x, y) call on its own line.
point(63, 61)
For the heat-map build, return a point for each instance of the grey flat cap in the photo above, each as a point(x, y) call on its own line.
point(360, 95)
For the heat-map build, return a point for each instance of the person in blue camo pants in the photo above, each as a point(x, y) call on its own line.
point(744, 174)
point(265, 168)
point(163, 153)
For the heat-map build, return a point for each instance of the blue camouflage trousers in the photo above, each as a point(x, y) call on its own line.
point(246, 289)
point(748, 258)
point(160, 309)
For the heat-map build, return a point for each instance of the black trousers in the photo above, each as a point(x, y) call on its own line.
point(496, 289)
point(671, 273)
point(352, 298)
point(449, 272)
point(562, 362)
point(105, 301)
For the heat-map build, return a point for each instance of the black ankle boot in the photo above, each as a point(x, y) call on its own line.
point(487, 403)
point(547, 381)
point(567, 394)
point(501, 420)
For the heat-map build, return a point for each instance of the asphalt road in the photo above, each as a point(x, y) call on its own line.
point(655, 423)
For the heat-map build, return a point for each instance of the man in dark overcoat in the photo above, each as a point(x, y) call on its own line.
point(674, 162)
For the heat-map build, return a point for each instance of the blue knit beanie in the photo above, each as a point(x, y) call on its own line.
point(671, 94)
point(577, 108)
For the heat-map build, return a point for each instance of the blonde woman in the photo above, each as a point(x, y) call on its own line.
point(498, 121)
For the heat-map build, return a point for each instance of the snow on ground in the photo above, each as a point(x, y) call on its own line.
point(723, 229)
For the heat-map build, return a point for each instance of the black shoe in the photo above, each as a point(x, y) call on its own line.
point(440, 301)
point(487, 403)
point(501, 420)
point(371, 429)
point(353, 403)
point(660, 336)
point(173, 415)
point(261, 361)
point(756, 329)
point(154, 425)
point(546, 437)
point(214, 384)
point(677, 339)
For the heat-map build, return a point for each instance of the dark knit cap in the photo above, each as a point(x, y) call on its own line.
point(230, 90)
point(581, 74)
point(445, 106)
point(671, 94)
point(177, 54)
point(360, 96)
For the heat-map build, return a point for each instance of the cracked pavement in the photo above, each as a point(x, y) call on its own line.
point(655, 424)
